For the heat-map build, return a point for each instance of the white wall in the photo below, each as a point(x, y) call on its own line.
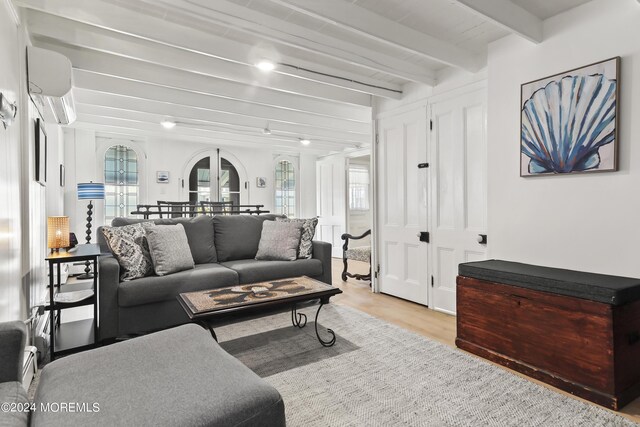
point(55, 158)
point(84, 151)
point(586, 222)
point(308, 186)
point(24, 204)
point(13, 297)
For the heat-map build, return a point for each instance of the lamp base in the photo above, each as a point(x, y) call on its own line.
point(85, 276)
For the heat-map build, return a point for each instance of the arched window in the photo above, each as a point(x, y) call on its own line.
point(121, 182)
point(285, 188)
point(203, 189)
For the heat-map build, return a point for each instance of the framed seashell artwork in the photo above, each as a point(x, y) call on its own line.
point(569, 121)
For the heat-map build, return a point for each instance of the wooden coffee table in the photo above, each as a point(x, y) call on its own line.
point(204, 306)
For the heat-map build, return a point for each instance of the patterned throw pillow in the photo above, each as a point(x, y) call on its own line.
point(308, 231)
point(129, 246)
point(169, 248)
point(279, 241)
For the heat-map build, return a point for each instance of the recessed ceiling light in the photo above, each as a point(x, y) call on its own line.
point(266, 65)
point(168, 124)
point(305, 141)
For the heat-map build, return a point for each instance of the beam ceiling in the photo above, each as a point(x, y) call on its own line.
point(136, 62)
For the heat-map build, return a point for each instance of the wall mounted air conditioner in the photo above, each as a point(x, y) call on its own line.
point(50, 83)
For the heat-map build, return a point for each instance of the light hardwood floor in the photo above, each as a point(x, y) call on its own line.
point(417, 318)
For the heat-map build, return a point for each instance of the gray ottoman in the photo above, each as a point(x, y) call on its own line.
point(175, 377)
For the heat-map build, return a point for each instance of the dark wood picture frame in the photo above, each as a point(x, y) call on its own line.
point(40, 153)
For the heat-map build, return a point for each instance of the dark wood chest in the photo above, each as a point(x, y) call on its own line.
point(586, 343)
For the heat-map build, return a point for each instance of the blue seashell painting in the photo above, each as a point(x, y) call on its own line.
point(568, 121)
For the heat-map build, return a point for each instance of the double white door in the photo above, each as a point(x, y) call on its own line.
point(446, 199)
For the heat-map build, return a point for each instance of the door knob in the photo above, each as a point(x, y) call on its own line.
point(482, 239)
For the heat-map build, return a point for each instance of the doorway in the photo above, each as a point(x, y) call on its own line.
point(359, 211)
point(215, 176)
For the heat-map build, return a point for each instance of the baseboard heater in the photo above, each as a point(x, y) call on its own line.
point(41, 337)
point(30, 365)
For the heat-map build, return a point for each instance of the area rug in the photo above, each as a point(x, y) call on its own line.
point(378, 374)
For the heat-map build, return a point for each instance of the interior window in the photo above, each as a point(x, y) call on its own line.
point(285, 184)
point(120, 182)
point(358, 188)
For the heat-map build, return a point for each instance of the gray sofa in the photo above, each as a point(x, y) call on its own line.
point(180, 376)
point(223, 248)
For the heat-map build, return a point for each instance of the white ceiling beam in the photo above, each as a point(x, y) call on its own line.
point(135, 89)
point(361, 21)
point(94, 102)
point(152, 119)
point(118, 66)
point(215, 136)
point(83, 35)
point(131, 22)
point(509, 16)
point(280, 31)
point(118, 132)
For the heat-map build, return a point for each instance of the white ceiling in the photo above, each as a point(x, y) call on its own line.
point(137, 62)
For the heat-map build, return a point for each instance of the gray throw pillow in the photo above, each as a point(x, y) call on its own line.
point(169, 248)
point(305, 251)
point(129, 247)
point(199, 234)
point(279, 241)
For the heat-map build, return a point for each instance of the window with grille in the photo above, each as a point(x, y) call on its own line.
point(200, 184)
point(285, 188)
point(358, 188)
point(120, 182)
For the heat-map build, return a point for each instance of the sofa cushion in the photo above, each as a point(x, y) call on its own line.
point(199, 232)
point(305, 251)
point(169, 248)
point(279, 241)
point(251, 270)
point(162, 288)
point(238, 236)
point(176, 377)
point(13, 393)
point(129, 247)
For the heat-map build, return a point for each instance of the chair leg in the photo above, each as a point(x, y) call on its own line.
point(344, 271)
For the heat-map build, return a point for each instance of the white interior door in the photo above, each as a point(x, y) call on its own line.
point(332, 211)
point(402, 206)
point(458, 191)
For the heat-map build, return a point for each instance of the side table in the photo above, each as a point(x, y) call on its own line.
point(81, 334)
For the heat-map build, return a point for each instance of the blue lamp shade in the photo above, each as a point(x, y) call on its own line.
point(90, 191)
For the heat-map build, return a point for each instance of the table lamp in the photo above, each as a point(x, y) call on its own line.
point(57, 233)
point(89, 191)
